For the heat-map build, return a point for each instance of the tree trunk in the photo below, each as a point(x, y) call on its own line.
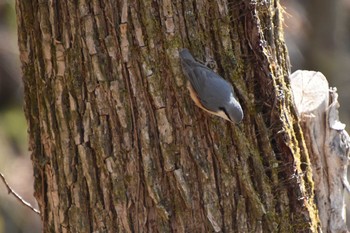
point(117, 144)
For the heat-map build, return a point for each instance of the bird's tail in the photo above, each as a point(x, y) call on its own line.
point(185, 54)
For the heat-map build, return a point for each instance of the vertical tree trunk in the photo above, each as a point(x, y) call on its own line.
point(118, 146)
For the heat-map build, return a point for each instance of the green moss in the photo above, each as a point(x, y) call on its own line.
point(14, 126)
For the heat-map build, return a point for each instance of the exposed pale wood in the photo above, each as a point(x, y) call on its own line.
point(328, 143)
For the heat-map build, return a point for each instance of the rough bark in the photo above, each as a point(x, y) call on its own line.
point(118, 146)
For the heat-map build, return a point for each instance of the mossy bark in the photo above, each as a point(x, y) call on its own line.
point(118, 146)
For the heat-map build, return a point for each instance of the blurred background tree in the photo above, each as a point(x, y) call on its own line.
point(15, 163)
point(317, 36)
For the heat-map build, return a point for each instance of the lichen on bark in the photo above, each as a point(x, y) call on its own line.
point(118, 146)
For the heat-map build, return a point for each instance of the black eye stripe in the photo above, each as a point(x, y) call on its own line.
point(224, 110)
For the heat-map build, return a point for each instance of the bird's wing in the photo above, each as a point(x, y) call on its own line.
point(212, 90)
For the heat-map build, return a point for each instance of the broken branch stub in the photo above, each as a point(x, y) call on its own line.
point(327, 142)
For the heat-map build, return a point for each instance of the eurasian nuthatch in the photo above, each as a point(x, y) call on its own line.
point(209, 90)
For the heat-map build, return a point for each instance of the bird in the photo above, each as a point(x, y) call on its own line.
point(210, 91)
